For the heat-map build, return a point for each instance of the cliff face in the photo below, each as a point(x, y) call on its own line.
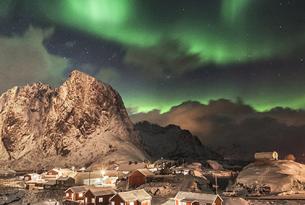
point(81, 122)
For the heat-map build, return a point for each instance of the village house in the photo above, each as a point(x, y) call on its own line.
point(75, 194)
point(58, 172)
point(190, 198)
point(135, 197)
point(34, 181)
point(266, 156)
point(98, 196)
point(99, 178)
point(65, 181)
point(50, 184)
point(35, 185)
point(139, 177)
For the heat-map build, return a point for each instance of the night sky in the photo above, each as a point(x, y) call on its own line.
point(160, 53)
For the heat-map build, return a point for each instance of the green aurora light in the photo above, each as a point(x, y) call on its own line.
point(219, 41)
point(231, 33)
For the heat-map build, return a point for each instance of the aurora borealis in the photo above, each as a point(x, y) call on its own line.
point(158, 54)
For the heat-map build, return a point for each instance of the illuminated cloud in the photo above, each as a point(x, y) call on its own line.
point(24, 59)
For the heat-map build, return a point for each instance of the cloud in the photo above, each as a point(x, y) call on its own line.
point(166, 59)
point(108, 75)
point(235, 129)
point(24, 59)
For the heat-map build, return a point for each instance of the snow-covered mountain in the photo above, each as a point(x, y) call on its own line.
point(83, 121)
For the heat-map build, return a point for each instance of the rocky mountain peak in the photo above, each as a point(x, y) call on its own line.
point(81, 122)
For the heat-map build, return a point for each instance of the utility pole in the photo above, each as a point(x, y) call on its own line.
point(89, 177)
point(216, 184)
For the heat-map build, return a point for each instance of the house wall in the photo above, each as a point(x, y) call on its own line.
point(70, 194)
point(105, 199)
point(89, 196)
point(77, 196)
point(136, 179)
point(146, 202)
point(218, 201)
point(117, 200)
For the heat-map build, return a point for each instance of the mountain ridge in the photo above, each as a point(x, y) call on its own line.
point(78, 123)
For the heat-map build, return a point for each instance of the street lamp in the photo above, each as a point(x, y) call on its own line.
point(103, 172)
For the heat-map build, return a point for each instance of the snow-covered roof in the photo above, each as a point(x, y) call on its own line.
point(134, 195)
point(101, 191)
point(78, 189)
point(64, 178)
point(200, 197)
point(145, 172)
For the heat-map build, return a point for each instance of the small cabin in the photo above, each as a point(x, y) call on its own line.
point(75, 193)
point(98, 196)
point(139, 177)
point(65, 181)
point(134, 197)
point(266, 156)
point(190, 198)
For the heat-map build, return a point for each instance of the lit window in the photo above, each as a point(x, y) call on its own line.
point(93, 200)
point(131, 203)
point(86, 200)
point(67, 194)
point(101, 199)
point(121, 203)
point(112, 203)
point(80, 195)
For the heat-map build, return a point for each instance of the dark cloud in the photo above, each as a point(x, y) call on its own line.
point(166, 59)
point(235, 129)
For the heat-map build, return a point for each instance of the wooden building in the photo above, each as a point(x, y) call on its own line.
point(190, 198)
point(266, 156)
point(35, 185)
point(96, 178)
point(139, 177)
point(58, 172)
point(135, 197)
point(50, 184)
point(75, 193)
point(65, 181)
point(98, 196)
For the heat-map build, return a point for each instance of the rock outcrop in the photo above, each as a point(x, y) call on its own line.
point(79, 123)
point(172, 142)
point(270, 177)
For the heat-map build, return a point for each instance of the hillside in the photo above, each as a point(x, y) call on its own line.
point(172, 142)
